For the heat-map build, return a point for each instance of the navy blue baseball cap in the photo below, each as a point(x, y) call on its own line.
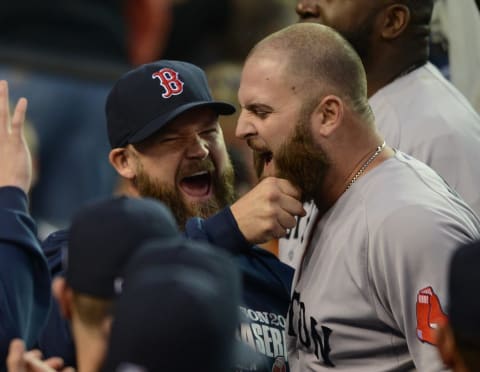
point(103, 236)
point(464, 286)
point(145, 99)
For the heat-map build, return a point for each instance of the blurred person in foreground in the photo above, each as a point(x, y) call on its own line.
point(102, 239)
point(196, 290)
point(459, 338)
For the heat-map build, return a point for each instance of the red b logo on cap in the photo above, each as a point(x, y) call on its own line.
point(169, 81)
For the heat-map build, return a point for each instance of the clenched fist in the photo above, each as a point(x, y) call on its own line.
point(268, 210)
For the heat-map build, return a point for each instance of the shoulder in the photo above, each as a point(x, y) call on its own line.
point(423, 96)
point(406, 201)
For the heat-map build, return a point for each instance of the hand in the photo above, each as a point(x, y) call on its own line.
point(19, 360)
point(268, 210)
point(15, 159)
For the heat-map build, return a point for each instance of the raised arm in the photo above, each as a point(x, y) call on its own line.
point(24, 276)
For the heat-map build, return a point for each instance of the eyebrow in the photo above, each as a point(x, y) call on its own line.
point(258, 107)
point(178, 130)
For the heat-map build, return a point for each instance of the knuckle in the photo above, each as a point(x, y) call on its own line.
point(270, 226)
point(272, 195)
point(290, 223)
point(271, 212)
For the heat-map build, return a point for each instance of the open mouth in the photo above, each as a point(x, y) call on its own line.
point(267, 157)
point(197, 185)
point(262, 160)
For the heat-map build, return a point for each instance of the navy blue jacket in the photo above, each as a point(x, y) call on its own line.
point(24, 276)
point(266, 290)
point(266, 293)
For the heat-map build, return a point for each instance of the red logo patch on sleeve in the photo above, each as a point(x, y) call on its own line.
point(429, 315)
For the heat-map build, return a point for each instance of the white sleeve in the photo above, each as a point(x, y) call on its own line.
point(409, 255)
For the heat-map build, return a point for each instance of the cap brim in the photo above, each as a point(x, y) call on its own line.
point(221, 108)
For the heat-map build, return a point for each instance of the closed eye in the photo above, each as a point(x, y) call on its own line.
point(168, 139)
point(259, 110)
point(209, 134)
point(209, 131)
point(261, 114)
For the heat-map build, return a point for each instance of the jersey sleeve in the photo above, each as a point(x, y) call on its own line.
point(220, 229)
point(408, 256)
point(24, 277)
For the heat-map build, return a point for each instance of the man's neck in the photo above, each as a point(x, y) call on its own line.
point(342, 177)
point(384, 71)
point(91, 349)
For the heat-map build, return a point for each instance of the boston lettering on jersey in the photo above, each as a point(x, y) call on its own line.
point(307, 332)
point(264, 332)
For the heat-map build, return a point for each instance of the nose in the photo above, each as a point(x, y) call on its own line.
point(245, 128)
point(307, 9)
point(198, 148)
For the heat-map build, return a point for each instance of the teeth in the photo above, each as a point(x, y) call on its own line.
point(201, 173)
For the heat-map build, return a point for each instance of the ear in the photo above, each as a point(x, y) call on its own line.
point(63, 294)
point(122, 160)
point(446, 345)
point(106, 326)
point(328, 115)
point(396, 18)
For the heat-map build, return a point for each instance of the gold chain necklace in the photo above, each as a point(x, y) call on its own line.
point(366, 164)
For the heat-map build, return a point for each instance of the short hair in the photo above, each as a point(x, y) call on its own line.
point(420, 17)
point(420, 10)
point(320, 58)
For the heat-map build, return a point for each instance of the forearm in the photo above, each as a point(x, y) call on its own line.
point(220, 229)
point(24, 277)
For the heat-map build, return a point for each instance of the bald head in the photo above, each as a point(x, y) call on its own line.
point(317, 58)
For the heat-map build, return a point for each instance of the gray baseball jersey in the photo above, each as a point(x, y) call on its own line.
point(423, 115)
point(371, 287)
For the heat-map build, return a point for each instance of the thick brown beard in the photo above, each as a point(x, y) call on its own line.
point(223, 188)
point(302, 162)
point(258, 164)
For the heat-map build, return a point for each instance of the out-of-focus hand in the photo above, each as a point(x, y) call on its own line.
point(15, 159)
point(268, 210)
point(20, 360)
